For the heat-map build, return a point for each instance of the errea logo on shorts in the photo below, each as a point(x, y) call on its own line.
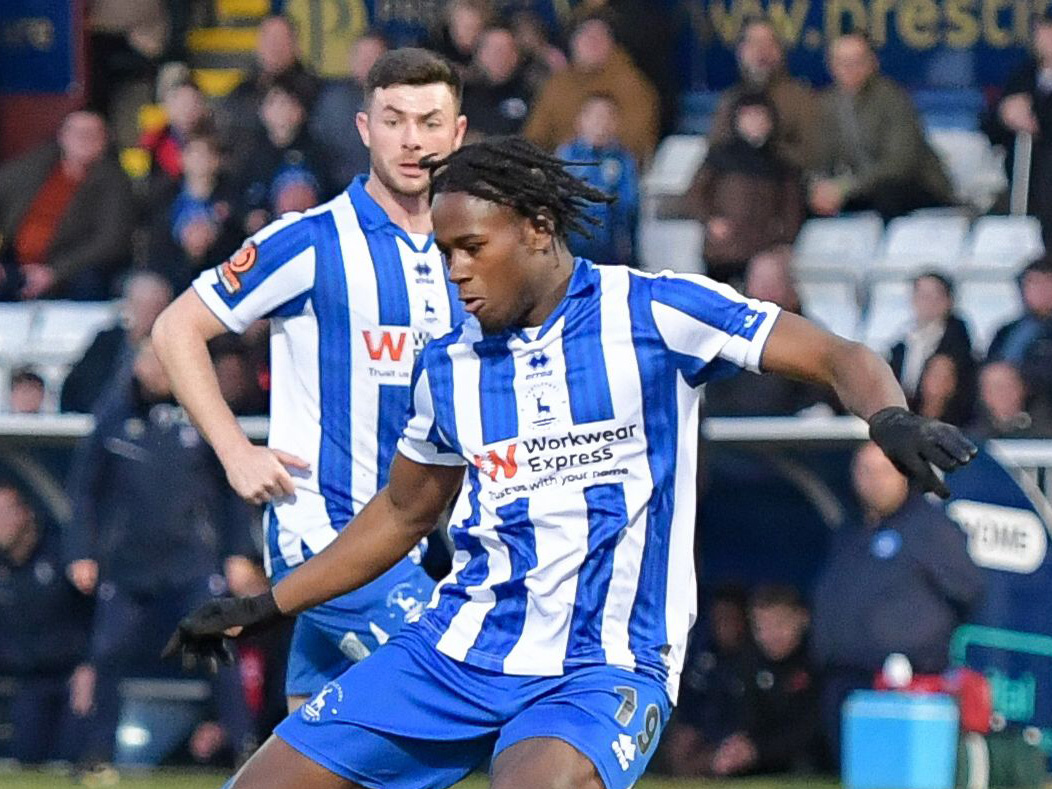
point(625, 750)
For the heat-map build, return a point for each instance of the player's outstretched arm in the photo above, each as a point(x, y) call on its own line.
point(867, 387)
point(180, 338)
point(387, 528)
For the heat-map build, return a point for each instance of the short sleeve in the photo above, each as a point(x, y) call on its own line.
point(710, 325)
point(271, 275)
point(422, 438)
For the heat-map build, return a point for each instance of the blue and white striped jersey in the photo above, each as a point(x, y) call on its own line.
point(352, 299)
point(574, 528)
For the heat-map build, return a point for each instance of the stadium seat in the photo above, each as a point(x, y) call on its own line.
point(677, 159)
point(888, 315)
point(1001, 245)
point(671, 244)
point(975, 168)
point(16, 326)
point(986, 306)
point(917, 243)
point(839, 247)
point(832, 304)
point(63, 329)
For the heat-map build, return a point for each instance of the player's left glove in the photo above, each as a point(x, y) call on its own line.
point(203, 635)
point(913, 443)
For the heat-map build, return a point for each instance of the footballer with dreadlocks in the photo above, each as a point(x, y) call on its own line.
point(562, 416)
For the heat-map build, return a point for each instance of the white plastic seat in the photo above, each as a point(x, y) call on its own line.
point(889, 314)
point(64, 329)
point(676, 160)
point(16, 325)
point(914, 244)
point(843, 245)
point(975, 168)
point(1001, 245)
point(987, 306)
point(674, 244)
point(833, 305)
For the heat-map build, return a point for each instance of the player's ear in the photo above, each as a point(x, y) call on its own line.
point(540, 231)
point(361, 120)
point(461, 130)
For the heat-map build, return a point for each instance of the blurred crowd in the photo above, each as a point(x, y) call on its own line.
point(767, 668)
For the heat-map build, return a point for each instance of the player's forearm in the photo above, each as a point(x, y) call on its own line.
point(378, 537)
point(862, 380)
point(183, 351)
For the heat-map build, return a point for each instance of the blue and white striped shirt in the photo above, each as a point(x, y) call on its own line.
point(574, 528)
point(352, 299)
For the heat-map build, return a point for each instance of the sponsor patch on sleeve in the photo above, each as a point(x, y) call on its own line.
point(240, 262)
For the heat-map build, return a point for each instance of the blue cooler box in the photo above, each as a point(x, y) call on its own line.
point(899, 740)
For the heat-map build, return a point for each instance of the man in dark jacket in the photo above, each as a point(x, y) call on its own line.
point(145, 295)
point(66, 215)
point(44, 627)
point(154, 528)
point(903, 583)
point(497, 96)
point(1026, 342)
point(277, 56)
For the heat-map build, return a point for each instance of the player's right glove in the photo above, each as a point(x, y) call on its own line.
point(202, 636)
point(914, 442)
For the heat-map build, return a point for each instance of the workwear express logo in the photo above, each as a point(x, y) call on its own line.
point(553, 453)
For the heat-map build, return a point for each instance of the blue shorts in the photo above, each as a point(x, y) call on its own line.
point(330, 637)
point(413, 718)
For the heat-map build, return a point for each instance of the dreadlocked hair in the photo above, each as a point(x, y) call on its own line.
point(513, 172)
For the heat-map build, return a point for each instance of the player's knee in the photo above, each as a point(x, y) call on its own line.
point(544, 763)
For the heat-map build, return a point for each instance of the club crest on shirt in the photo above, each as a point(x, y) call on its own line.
point(325, 701)
point(240, 262)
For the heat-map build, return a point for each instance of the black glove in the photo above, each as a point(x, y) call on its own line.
point(201, 635)
point(914, 442)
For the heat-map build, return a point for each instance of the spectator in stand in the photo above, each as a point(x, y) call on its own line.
point(765, 710)
point(45, 624)
point(769, 278)
point(497, 96)
point(281, 145)
point(1026, 342)
point(612, 237)
point(872, 151)
point(66, 215)
point(145, 295)
point(461, 29)
point(707, 681)
point(901, 583)
point(598, 65)
point(775, 723)
point(937, 329)
point(748, 196)
point(195, 225)
point(127, 41)
point(187, 114)
point(944, 391)
point(277, 55)
point(27, 391)
point(541, 58)
point(237, 380)
point(155, 529)
point(762, 69)
point(1026, 108)
point(1004, 411)
point(652, 45)
point(332, 119)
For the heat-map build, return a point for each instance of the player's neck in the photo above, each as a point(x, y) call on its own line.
point(559, 271)
point(412, 213)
